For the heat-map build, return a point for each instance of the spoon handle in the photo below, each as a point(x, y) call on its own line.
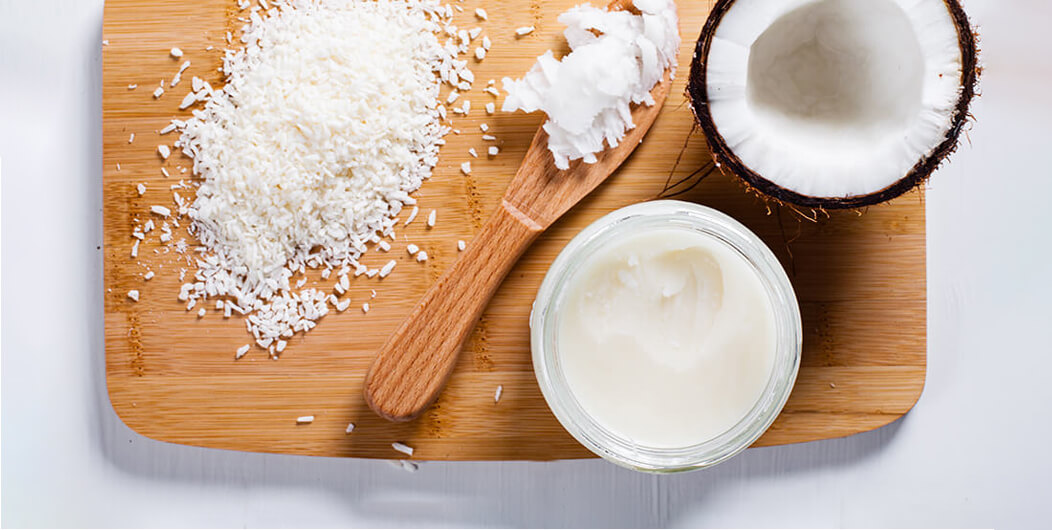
point(411, 368)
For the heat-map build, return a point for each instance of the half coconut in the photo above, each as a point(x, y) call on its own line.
point(833, 103)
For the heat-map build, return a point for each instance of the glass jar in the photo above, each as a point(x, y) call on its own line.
point(544, 336)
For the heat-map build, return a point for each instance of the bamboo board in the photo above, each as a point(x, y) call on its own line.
point(172, 376)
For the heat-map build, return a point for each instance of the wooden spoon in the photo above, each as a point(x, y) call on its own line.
point(413, 365)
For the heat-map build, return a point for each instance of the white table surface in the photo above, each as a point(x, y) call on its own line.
point(974, 451)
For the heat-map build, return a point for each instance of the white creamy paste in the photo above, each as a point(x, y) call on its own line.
point(667, 337)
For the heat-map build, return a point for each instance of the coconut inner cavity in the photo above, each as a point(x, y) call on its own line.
point(833, 98)
point(843, 72)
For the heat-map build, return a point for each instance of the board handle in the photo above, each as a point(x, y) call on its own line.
point(412, 367)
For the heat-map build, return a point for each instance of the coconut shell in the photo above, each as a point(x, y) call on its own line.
point(728, 161)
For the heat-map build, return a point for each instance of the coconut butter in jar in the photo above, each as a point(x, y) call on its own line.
point(666, 337)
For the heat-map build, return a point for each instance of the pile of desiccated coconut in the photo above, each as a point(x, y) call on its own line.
point(329, 119)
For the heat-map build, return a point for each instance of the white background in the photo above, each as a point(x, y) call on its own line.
point(974, 452)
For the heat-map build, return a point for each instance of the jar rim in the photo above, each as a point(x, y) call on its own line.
point(590, 432)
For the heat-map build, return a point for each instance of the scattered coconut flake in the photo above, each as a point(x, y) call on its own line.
point(164, 151)
point(148, 275)
point(475, 32)
point(480, 53)
point(412, 215)
point(402, 448)
point(412, 249)
point(387, 268)
point(461, 245)
point(491, 108)
point(157, 93)
point(105, 42)
point(473, 153)
point(349, 429)
point(431, 217)
point(176, 52)
point(465, 168)
point(167, 129)
point(421, 256)
point(118, 166)
point(201, 312)
point(489, 137)
point(135, 249)
point(384, 246)
point(133, 86)
point(304, 419)
point(486, 43)
point(492, 91)
point(188, 100)
point(134, 294)
point(524, 30)
point(279, 346)
point(160, 210)
point(493, 150)
point(496, 395)
point(365, 307)
point(480, 13)
point(453, 95)
point(242, 350)
point(131, 138)
point(483, 127)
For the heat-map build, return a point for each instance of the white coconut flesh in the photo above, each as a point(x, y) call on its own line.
point(834, 98)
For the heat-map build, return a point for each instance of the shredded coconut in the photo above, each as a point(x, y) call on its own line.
point(328, 121)
point(616, 58)
point(305, 419)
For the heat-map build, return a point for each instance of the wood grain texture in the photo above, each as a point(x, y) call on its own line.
point(412, 366)
point(172, 376)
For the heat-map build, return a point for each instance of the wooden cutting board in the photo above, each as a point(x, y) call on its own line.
point(172, 376)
